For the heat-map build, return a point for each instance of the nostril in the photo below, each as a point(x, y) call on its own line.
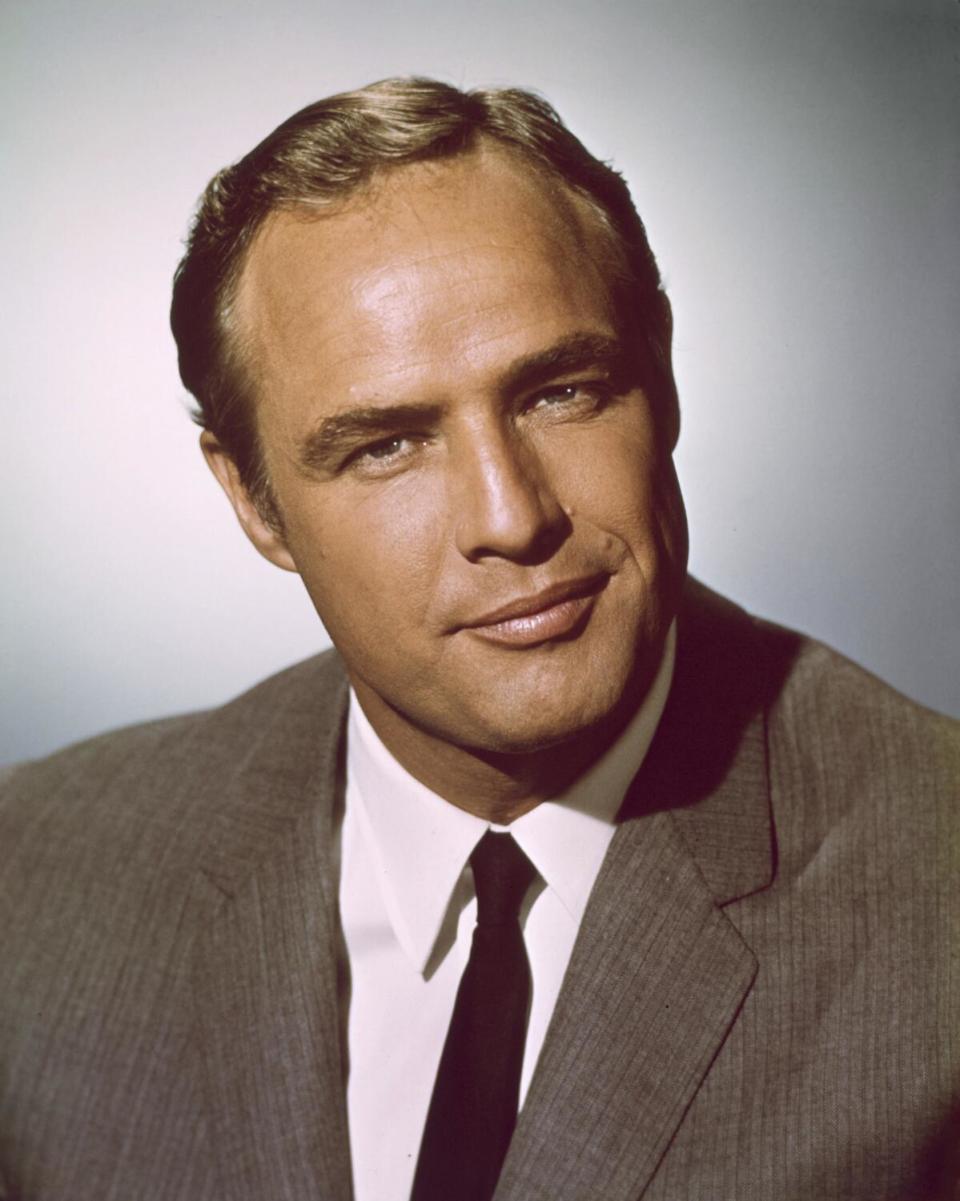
point(527, 542)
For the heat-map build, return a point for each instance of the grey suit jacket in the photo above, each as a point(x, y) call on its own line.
point(763, 1001)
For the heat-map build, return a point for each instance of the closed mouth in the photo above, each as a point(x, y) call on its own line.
point(556, 612)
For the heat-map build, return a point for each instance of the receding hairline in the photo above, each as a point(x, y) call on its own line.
point(574, 213)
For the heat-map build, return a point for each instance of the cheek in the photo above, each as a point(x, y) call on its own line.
point(627, 491)
point(368, 552)
point(614, 483)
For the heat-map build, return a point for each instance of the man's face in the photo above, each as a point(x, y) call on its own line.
point(469, 477)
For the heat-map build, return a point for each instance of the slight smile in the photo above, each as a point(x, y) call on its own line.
point(560, 611)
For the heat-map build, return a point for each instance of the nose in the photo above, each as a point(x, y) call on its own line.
point(506, 504)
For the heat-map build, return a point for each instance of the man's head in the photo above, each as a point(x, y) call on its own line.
point(319, 160)
point(462, 416)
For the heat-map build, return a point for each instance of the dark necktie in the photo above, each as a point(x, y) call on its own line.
point(473, 1109)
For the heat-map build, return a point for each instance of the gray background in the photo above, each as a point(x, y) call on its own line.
point(797, 167)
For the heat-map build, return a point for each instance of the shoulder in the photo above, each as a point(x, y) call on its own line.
point(819, 705)
point(842, 751)
point(316, 681)
point(832, 718)
point(864, 788)
point(158, 784)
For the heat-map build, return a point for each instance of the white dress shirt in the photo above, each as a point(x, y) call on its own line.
point(407, 913)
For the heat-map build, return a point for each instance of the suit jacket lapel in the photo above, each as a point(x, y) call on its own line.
point(659, 972)
point(266, 968)
point(655, 982)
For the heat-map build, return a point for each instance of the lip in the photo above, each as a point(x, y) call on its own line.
point(555, 612)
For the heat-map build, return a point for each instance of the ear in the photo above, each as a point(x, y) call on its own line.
point(265, 537)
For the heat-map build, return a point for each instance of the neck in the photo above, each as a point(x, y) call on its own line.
point(496, 786)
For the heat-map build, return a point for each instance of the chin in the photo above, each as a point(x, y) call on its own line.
point(580, 693)
point(526, 725)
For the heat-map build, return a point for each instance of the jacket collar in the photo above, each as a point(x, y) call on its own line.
point(708, 764)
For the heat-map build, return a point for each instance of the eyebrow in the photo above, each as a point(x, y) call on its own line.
point(341, 432)
point(337, 435)
point(578, 352)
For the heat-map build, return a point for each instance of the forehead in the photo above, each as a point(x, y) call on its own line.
point(437, 265)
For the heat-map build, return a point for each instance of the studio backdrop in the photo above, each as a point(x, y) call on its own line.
point(797, 169)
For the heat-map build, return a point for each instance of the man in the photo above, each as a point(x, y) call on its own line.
point(431, 355)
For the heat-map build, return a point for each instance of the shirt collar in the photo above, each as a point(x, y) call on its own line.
point(419, 843)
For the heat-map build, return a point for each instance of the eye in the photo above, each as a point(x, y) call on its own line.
point(384, 455)
point(562, 395)
point(385, 449)
point(585, 397)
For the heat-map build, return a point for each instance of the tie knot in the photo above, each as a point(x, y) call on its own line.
point(502, 874)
